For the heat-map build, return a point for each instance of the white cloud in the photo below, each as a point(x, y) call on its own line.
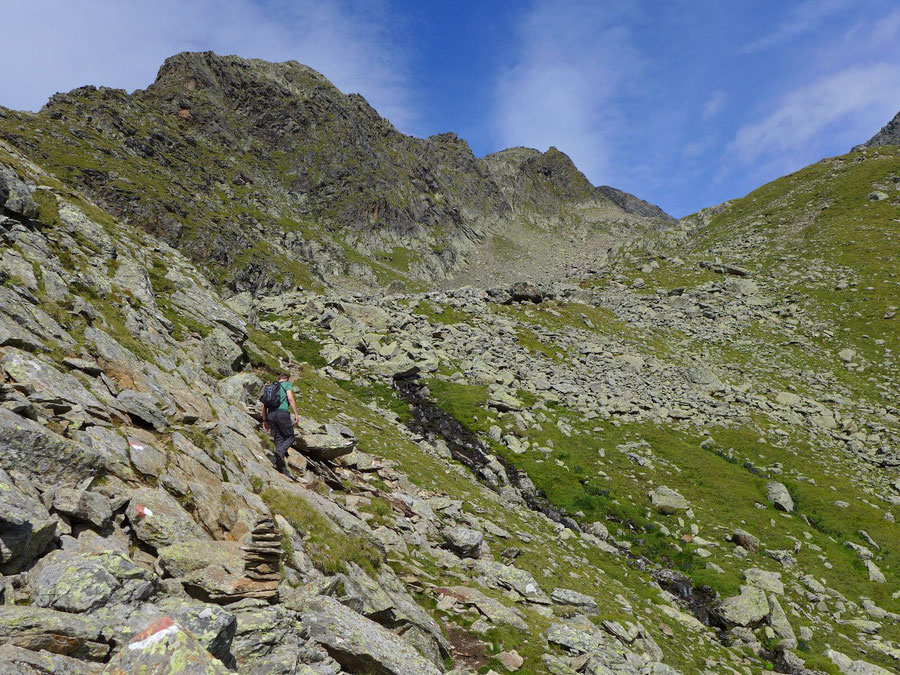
point(571, 63)
point(56, 45)
point(803, 18)
point(714, 104)
point(842, 107)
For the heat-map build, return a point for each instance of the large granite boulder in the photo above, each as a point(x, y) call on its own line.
point(76, 581)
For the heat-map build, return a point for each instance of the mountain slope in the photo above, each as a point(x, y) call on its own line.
point(274, 179)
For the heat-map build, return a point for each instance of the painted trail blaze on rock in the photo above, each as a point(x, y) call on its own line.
point(165, 647)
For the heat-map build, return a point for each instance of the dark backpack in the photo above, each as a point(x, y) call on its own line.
point(271, 396)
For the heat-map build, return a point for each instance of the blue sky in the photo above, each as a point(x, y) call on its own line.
point(685, 103)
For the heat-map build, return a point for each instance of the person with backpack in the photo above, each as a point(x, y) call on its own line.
point(277, 399)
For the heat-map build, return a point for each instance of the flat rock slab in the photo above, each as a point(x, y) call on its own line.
point(358, 644)
point(37, 628)
point(17, 661)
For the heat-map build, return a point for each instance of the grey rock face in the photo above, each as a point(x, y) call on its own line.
point(83, 505)
point(35, 451)
point(565, 596)
point(73, 582)
point(360, 644)
point(142, 408)
point(26, 527)
point(159, 520)
point(888, 135)
point(18, 661)
point(748, 608)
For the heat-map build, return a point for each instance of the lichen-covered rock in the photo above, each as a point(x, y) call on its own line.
point(77, 581)
point(213, 570)
point(165, 647)
point(26, 527)
point(464, 541)
point(359, 644)
point(36, 451)
point(37, 628)
point(18, 661)
point(565, 596)
point(746, 609)
point(159, 520)
point(83, 505)
point(513, 578)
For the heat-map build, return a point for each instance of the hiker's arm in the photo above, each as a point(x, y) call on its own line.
point(293, 406)
point(265, 417)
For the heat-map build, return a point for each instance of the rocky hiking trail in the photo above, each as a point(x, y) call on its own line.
point(680, 458)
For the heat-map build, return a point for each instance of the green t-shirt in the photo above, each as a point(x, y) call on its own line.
point(285, 404)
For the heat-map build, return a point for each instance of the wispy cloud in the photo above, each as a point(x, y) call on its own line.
point(122, 44)
point(714, 104)
point(843, 105)
point(570, 64)
point(804, 18)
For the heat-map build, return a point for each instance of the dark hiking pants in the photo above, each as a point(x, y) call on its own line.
point(282, 432)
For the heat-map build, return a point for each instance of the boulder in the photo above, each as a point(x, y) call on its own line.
point(493, 609)
point(71, 581)
point(243, 387)
point(745, 539)
point(513, 578)
point(746, 609)
point(15, 195)
point(358, 644)
point(463, 541)
point(142, 409)
point(325, 441)
point(159, 520)
point(37, 628)
point(525, 292)
point(83, 505)
point(779, 497)
point(165, 647)
point(26, 527)
point(668, 501)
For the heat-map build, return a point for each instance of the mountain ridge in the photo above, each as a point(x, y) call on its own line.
point(331, 182)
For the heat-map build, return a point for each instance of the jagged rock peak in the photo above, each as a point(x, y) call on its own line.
point(889, 135)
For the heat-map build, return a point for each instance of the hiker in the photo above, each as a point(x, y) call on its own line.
point(277, 419)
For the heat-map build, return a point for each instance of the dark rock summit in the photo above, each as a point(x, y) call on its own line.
point(274, 179)
point(889, 135)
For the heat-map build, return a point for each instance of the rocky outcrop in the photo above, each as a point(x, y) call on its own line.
point(888, 135)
